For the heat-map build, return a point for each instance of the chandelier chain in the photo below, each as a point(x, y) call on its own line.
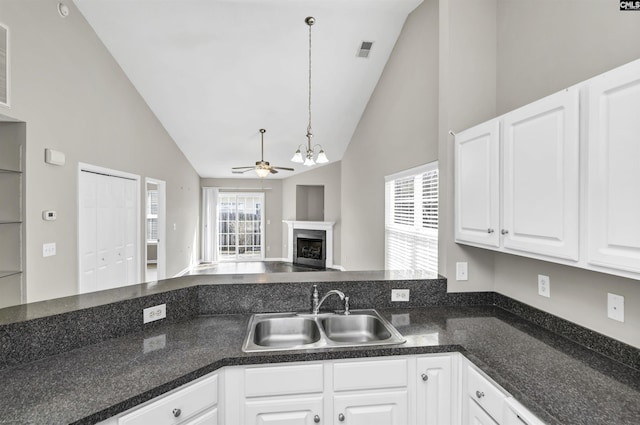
point(309, 126)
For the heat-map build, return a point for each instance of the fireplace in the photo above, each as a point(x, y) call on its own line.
point(309, 247)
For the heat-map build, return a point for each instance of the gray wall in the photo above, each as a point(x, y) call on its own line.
point(398, 130)
point(328, 176)
point(75, 98)
point(581, 38)
point(272, 190)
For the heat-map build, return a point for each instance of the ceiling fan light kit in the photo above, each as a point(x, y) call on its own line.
point(306, 158)
point(262, 167)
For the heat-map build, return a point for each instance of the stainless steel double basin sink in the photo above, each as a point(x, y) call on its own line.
point(296, 331)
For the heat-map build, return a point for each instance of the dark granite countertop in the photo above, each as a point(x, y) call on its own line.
point(558, 380)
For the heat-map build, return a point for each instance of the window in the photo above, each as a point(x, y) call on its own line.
point(411, 219)
point(240, 229)
point(152, 216)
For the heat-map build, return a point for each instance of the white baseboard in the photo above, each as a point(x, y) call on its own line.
point(276, 259)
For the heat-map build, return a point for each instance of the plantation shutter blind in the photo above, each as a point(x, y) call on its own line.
point(411, 219)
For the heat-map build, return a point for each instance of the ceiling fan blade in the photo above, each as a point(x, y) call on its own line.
point(273, 170)
point(283, 168)
point(241, 168)
point(241, 171)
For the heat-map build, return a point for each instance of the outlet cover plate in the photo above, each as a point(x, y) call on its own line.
point(400, 295)
point(462, 271)
point(544, 286)
point(48, 249)
point(154, 313)
point(615, 307)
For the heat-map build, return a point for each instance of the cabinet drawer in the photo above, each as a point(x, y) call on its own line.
point(283, 380)
point(487, 395)
point(190, 400)
point(370, 375)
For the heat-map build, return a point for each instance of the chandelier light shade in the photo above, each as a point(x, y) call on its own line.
point(304, 154)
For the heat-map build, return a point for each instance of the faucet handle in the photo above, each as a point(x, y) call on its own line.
point(346, 306)
point(315, 299)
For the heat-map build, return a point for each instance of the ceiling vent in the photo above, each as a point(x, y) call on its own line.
point(365, 49)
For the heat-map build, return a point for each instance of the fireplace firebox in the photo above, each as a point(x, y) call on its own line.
point(309, 247)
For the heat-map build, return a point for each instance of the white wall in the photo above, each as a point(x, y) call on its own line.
point(272, 190)
point(75, 99)
point(328, 176)
point(544, 46)
point(398, 130)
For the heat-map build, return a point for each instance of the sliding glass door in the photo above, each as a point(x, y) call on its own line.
point(240, 226)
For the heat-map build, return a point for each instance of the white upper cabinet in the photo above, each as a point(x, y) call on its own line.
point(558, 176)
point(613, 197)
point(477, 185)
point(541, 177)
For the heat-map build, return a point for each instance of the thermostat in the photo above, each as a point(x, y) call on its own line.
point(49, 215)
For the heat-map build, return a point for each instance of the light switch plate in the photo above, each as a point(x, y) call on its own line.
point(615, 307)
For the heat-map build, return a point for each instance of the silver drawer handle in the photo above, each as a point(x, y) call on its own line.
point(316, 419)
point(341, 417)
point(504, 231)
point(479, 394)
point(176, 412)
point(490, 231)
point(425, 377)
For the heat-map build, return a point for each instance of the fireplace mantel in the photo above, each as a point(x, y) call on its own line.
point(327, 226)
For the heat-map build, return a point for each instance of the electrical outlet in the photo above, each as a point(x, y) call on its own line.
point(400, 295)
point(462, 271)
point(544, 286)
point(156, 312)
point(48, 249)
point(615, 307)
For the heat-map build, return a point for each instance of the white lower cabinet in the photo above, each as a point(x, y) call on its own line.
point(438, 389)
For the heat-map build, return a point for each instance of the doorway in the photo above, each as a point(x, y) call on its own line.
point(155, 230)
point(240, 226)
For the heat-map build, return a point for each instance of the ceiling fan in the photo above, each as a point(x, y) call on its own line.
point(262, 167)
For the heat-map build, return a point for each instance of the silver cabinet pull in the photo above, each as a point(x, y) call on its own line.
point(504, 231)
point(341, 417)
point(176, 412)
point(316, 419)
point(425, 377)
point(490, 231)
point(479, 394)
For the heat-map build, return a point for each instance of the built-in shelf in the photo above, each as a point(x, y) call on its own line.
point(2, 170)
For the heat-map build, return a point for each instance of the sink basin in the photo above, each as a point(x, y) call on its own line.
point(354, 328)
point(285, 332)
point(297, 331)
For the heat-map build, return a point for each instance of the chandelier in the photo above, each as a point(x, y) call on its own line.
point(305, 154)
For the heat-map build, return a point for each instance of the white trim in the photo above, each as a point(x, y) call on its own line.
point(327, 226)
point(8, 67)
point(184, 271)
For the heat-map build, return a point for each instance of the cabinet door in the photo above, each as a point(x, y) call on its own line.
point(477, 416)
point(541, 177)
point(613, 211)
point(284, 411)
point(208, 418)
point(379, 408)
point(434, 391)
point(477, 185)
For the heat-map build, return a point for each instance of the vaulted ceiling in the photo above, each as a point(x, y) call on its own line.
point(216, 71)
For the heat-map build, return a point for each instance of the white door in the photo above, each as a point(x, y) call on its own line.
point(613, 217)
point(284, 411)
point(541, 177)
point(434, 392)
point(379, 408)
point(240, 226)
point(477, 185)
point(107, 231)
